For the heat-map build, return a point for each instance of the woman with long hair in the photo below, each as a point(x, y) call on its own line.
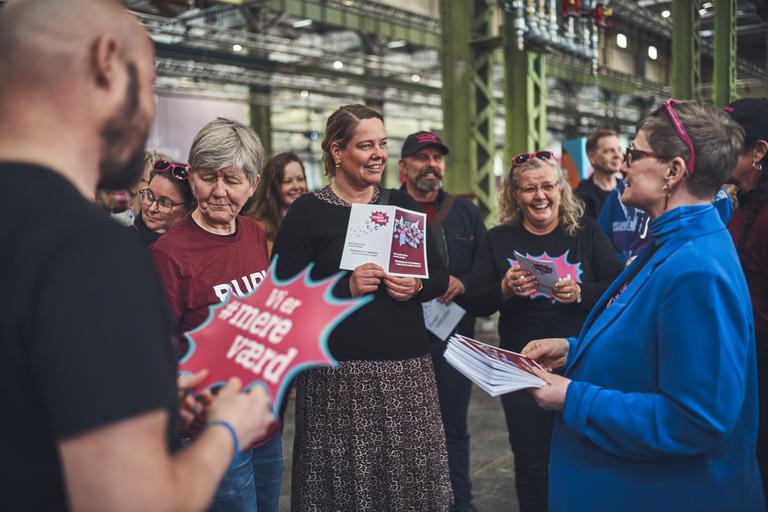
point(541, 218)
point(283, 180)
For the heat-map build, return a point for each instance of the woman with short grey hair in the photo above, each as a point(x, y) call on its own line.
point(212, 252)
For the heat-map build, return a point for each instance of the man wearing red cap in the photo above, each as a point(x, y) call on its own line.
point(459, 230)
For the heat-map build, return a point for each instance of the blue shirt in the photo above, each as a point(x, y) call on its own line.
point(627, 227)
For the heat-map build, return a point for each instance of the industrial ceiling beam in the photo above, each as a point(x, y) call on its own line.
point(256, 63)
point(366, 17)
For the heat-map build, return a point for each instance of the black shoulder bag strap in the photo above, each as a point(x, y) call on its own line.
point(442, 213)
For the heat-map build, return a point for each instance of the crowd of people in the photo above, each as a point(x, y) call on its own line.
point(653, 344)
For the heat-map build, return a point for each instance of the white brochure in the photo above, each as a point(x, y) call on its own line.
point(442, 319)
point(394, 238)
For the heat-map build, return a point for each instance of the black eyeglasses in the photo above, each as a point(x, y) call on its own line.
point(632, 154)
point(164, 204)
point(178, 171)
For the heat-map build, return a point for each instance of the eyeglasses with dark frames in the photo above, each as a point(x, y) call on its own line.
point(164, 204)
point(632, 154)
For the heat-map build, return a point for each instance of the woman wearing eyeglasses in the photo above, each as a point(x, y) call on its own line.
point(540, 218)
point(165, 200)
point(658, 400)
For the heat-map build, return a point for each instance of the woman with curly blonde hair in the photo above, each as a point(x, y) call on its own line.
point(541, 219)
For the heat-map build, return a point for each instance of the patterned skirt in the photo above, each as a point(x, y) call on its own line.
point(369, 437)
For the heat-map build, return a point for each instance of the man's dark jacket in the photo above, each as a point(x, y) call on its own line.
point(458, 242)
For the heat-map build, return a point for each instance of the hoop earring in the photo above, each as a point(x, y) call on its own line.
point(757, 166)
point(338, 163)
point(666, 195)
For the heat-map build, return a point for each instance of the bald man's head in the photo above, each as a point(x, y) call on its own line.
point(43, 39)
point(92, 63)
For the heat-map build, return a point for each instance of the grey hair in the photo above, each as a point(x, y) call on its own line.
point(717, 142)
point(571, 208)
point(225, 143)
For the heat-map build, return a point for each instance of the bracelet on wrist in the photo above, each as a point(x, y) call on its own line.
point(232, 432)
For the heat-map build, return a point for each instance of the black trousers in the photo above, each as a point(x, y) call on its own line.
point(530, 436)
point(762, 433)
point(454, 391)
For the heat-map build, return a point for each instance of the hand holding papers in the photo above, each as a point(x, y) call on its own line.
point(270, 335)
point(495, 370)
point(393, 238)
point(547, 271)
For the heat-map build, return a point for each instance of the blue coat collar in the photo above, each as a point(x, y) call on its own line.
point(671, 231)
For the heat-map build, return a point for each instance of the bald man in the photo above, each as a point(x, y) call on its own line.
point(87, 370)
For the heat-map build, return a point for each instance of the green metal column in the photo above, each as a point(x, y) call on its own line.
point(456, 60)
point(525, 96)
point(260, 116)
point(724, 76)
point(686, 50)
point(483, 149)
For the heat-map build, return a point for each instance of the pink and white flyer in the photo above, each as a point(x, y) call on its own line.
point(393, 238)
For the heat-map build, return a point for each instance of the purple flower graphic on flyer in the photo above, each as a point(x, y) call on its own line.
point(408, 233)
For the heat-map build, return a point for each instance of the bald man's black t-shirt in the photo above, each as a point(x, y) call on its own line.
point(85, 334)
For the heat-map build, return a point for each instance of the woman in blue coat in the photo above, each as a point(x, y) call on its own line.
point(658, 400)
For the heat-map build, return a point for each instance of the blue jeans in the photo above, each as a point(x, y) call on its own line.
point(253, 482)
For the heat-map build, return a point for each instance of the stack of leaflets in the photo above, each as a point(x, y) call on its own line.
point(495, 370)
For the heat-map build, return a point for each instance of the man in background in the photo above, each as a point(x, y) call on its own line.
point(458, 230)
point(605, 156)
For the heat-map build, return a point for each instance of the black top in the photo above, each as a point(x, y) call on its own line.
point(147, 236)
point(594, 261)
point(313, 231)
point(593, 196)
point(84, 331)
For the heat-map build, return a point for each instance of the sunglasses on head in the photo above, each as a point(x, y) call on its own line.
point(667, 106)
point(524, 157)
point(178, 171)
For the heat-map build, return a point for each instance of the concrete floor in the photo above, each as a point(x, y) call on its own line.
point(491, 459)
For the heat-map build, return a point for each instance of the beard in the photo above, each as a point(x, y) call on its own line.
point(429, 185)
point(127, 124)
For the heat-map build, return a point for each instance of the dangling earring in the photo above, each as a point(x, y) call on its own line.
point(666, 195)
point(338, 163)
point(757, 166)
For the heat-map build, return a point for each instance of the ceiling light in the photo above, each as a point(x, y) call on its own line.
point(302, 23)
point(397, 43)
point(416, 77)
point(621, 40)
point(337, 64)
point(665, 13)
point(237, 47)
point(304, 93)
point(653, 53)
point(349, 3)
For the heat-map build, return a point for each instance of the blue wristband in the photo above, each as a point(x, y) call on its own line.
point(232, 432)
